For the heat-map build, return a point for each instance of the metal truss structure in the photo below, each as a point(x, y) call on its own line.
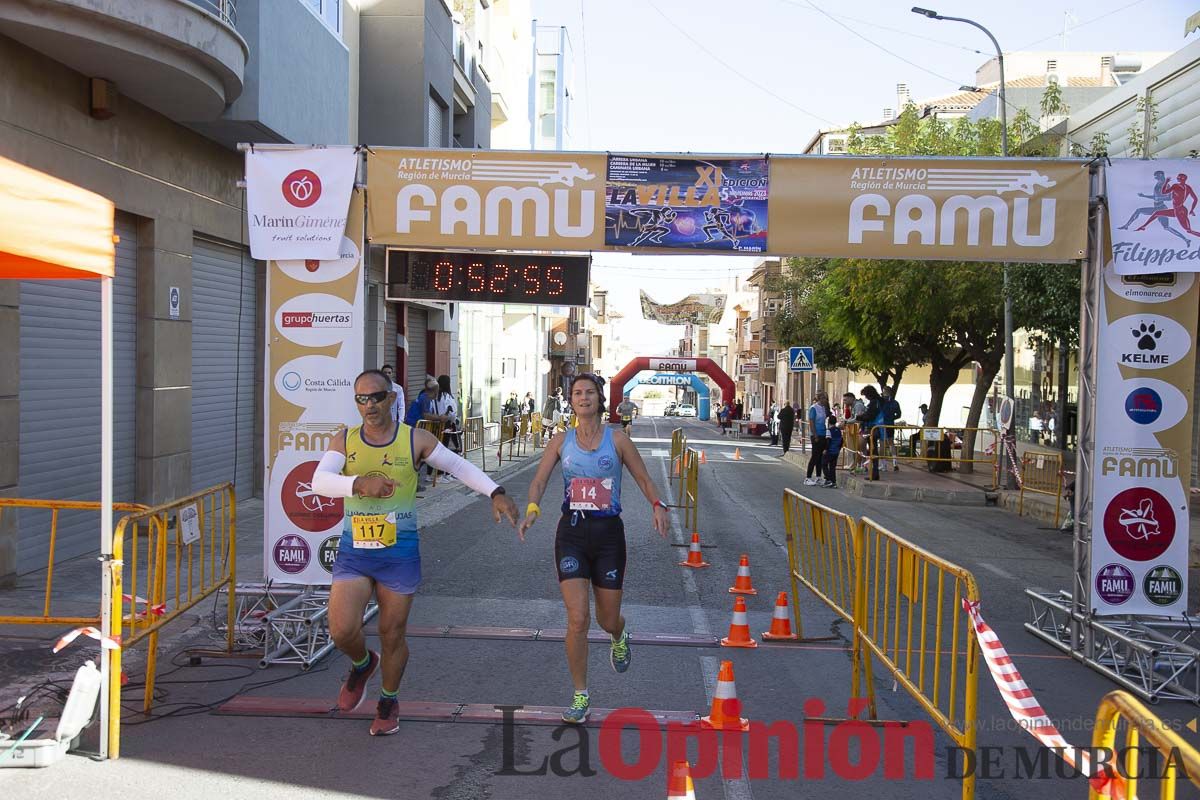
point(290, 624)
point(1154, 657)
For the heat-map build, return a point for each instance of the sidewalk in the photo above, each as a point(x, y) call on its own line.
point(26, 658)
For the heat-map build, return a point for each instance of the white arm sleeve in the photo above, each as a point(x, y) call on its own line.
point(441, 458)
point(328, 480)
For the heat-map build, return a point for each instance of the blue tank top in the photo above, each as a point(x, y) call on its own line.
point(602, 464)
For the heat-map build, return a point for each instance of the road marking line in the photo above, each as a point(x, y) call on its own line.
point(997, 571)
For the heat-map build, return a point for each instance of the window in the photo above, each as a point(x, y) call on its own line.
point(329, 12)
point(772, 306)
point(547, 97)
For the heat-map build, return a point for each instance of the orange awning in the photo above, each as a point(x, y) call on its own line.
point(52, 229)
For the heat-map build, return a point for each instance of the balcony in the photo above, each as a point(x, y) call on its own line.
point(184, 60)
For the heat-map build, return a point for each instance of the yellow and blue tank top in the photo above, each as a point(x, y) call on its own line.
point(384, 527)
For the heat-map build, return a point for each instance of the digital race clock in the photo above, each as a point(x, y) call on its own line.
point(487, 278)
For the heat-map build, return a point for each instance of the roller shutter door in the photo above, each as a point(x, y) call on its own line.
point(224, 320)
point(418, 322)
point(60, 402)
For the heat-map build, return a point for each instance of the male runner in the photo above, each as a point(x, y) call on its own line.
point(374, 466)
point(625, 409)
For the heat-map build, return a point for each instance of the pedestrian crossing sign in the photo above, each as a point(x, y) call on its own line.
point(800, 359)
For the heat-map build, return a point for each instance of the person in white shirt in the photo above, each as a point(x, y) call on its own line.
point(398, 407)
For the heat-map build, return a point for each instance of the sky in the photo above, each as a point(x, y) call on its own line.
point(763, 76)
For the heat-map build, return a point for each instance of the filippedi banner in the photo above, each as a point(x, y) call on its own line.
point(686, 203)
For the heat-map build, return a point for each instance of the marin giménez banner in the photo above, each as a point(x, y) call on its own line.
point(314, 329)
point(1143, 449)
point(933, 209)
point(296, 200)
point(486, 199)
point(1152, 206)
point(686, 203)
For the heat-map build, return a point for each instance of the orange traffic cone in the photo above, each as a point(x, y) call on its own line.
point(739, 628)
point(725, 706)
point(781, 623)
point(741, 584)
point(679, 782)
point(737, 454)
point(694, 557)
point(703, 460)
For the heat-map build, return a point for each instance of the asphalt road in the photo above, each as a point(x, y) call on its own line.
point(477, 573)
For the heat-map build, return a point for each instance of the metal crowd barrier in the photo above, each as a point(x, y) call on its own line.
point(190, 552)
point(910, 616)
point(1178, 757)
point(537, 430)
point(436, 428)
point(474, 439)
point(678, 447)
point(689, 496)
point(508, 436)
point(47, 617)
point(821, 544)
point(936, 447)
point(1042, 473)
point(905, 604)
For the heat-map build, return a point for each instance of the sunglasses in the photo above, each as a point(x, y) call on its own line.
point(373, 397)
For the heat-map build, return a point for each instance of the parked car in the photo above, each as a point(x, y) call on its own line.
point(685, 410)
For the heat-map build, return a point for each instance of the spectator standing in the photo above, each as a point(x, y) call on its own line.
point(529, 404)
point(739, 410)
point(787, 421)
point(860, 440)
point(817, 414)
point(870, 419)
point(773, 424)
point(832, 450)
point(398, 408)
point(891, 413)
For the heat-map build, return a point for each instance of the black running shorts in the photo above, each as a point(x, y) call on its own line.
point(592, 548)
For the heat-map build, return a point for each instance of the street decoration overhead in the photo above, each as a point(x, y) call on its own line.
point(695, 309)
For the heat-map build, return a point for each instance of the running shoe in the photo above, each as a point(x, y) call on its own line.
point(577, 714)
point(809, 482)
point(387, 717)
point(351, 695)
point(619, 655)
point(830, 484)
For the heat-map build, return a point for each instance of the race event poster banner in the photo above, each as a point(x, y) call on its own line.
point(314, 342)
point(1152, 206)
point(1143, 450)
point(929, 209)
point(686, 203)
point(296, 200)
point(498, 200)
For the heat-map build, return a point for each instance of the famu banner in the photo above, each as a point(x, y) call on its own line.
point(296, 200)
point(314, 350)
point(1143, 450)
point(947, 209)
point(1151, 207)
point(487, 199)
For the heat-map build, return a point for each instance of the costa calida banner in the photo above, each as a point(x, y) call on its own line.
point(1143, 450)
point(1152, 206)
point(297, 199)
point(493, 199)
point(934, 209)
point(314, 350)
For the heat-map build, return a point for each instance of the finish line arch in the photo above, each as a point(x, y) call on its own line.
point(703, 402)
point(667, 364)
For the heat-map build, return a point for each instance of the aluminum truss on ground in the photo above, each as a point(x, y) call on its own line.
point(289, 623)
point(1155, 658)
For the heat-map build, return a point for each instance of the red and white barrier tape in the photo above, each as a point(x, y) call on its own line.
point(1028, 713)
point(157, 610)
point(106, 642)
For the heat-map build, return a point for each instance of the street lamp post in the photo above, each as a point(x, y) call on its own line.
point(1009, 380)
